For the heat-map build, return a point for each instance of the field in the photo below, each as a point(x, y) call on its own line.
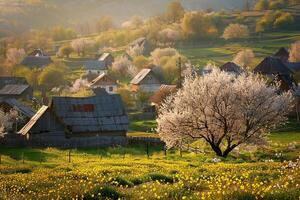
point(128, 173)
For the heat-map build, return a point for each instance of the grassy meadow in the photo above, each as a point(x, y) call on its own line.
point(128, 173)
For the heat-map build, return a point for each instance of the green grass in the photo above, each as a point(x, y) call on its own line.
point(143, 126)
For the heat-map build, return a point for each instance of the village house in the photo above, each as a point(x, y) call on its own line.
point(15, 87)
point(231, 68)
point(159, 96)
point(275, 69)
point(99, 120)
point(145, 81)
point(38, 58)
point(100, 65)
point(106, 82)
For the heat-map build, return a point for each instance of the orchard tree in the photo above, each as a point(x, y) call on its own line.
point(223, 110)
point(80, 45)
point(65, 51)
point(235, 31)
point(104, 24)
point(175, 11)
point(295, 52)
point(15, 56)
point(169, 36)
point(244, 58)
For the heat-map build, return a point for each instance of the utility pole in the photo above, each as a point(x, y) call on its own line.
point(179, 84)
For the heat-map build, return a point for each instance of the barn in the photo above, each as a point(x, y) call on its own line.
point(79, 122)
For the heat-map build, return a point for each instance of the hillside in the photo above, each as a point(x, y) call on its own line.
point(20, 15)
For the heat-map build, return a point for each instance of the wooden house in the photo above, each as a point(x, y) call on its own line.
point(15, 87)
point(283, 54)
point(159, 96)
point(80, 122)
point(145, 81)
point(107, 59)
point(100, 65)
point(106, 82)
point(231, 68)
point(275, 69)
point(37, 58)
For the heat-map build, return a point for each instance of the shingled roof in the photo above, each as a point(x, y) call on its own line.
point(140, 76)
point(36, 61)
point(103, 79)
point(95, 65)
point(13, 89)
point(272, 65)
point(102, 113)
point(6, 80)
point(231, 67)
point(282, 54)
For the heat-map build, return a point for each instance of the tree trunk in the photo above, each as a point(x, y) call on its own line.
point(219, 152)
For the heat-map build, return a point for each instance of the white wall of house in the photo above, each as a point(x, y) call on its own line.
point(95, 71)
point(149, 87)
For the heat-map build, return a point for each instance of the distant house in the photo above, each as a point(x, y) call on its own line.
point(38, 58)
point(159, 96)
point(283, 54)
point(143, 43)
point(106, 82)
point(6, 105)
point(15, 87)
point(79, 122)
point(145, 81)
point(232, 68)
point(276, 70)
point(99, 66)
point(107, 58)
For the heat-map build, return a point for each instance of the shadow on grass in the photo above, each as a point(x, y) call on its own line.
point(28, 153)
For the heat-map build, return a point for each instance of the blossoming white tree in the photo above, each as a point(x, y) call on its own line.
point(295, 52)
point(15, 56)
point(244, 58)
point(223, 110)
point(235, 31)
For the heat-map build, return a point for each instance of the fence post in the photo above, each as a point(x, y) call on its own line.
point(180, 151)
point(0, 159)
point(148, 150)
point(69, 155)
point(23, 158)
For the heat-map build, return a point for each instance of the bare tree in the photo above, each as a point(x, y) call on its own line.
point(223, 110)
point(235, 31)
point(295, 52)
point(15, 56)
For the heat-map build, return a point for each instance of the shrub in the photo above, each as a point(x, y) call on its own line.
point(103, 193)
point(161, 178)
point(120, 181)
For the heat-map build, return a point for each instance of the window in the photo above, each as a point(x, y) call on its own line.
point(84, 108)
point(111, 88)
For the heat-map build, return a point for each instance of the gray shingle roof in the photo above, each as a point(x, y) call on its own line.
point(91, 114)
point(95, 65)
point(12, 80)
point(140, 76)
point(13, 89)
point(36, 61)
point(294, 66)
point(231, 67)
